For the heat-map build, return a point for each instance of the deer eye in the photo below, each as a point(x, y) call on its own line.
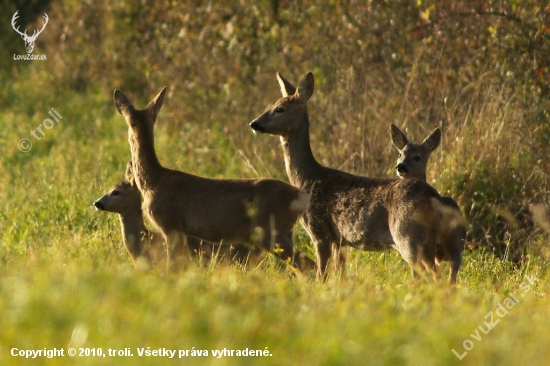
point(416, 158)
point(279, 110)
point(115, 193)
point(399, 155)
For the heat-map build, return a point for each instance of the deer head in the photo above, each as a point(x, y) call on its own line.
point(29, 40)
point(413, 156)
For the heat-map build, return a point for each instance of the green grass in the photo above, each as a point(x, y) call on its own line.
point(375, 315)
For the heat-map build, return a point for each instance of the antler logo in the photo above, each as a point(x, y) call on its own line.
point(29, 40)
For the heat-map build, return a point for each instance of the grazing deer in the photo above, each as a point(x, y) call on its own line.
point(259, 212)
point(349, 210)
point(124, 199)
point(411, 163)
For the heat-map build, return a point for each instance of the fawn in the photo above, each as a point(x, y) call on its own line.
point(124, 199)
point(411, 163)
point(348, 210)
point(259, 212)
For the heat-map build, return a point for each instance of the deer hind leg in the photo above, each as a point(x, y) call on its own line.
point(425, 241)
point(339, 255)
point(180, 248)
point(284, 247)
point(450, 247)
point(238, 253)
point(417, 245)
point(195, 248)
point(284, 250)
point(427, 255)
point(455, 251)
point(297, 258)
point(278, 243)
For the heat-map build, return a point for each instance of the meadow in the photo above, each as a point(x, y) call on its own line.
point(479, 73)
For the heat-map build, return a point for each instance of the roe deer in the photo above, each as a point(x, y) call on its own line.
point(411, 163)
point(259, 212)
point(345, 209)
point(124, 198)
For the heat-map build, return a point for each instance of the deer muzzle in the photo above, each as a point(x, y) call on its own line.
point(255, 126)
point(401, 169)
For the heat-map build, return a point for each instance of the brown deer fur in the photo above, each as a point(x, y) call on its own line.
point(345, 209)
point(258, 212)
point(411, 163)
point(124, 199)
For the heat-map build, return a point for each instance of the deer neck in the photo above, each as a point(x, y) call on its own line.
point(300, 163)
point(133, 229)
point(420, 176)
point(146, 167)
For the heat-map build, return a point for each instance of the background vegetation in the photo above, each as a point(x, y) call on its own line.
point(479, 70)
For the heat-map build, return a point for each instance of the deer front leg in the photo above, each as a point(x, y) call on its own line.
point(321, 243)
point(455, 254)
point(322, 252)
point(409, 252)
point(339, 255)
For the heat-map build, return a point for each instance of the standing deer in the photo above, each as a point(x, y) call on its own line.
point(411, 163)
point(124, 199)
point(348, 210)
point(259, 212)
point(29, 40)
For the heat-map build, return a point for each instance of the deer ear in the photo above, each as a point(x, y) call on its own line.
point(122, 103)
point(129, 175)
point(154, 106)
point(286, 87)
point(432, 141)
point(397, 137)
point(305, 88)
